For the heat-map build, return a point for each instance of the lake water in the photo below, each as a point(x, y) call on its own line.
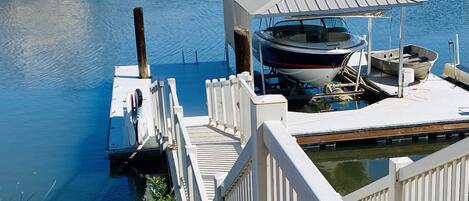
point(56, 69)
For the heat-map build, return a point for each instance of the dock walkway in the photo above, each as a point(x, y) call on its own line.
point(243, 150)
point(217, 151)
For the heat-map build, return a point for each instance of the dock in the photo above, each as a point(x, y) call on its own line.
point(432, 106)
point(244, 149)
point(247, 147)
point(126, 80)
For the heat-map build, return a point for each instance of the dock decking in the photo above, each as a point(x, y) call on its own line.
point(217, 151)
point(126, 80)
point(431, 106)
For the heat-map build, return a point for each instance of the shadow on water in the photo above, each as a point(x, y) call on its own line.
point(352, 166)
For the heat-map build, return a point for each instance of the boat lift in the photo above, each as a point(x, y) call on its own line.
point(239, 13)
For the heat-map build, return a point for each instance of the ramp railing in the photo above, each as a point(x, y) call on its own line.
point(443, 175)
point(159, 113)
point(228, 104)
point(173, 135)
point(272, 166)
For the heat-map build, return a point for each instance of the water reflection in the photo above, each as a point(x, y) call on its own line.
point(348, 168)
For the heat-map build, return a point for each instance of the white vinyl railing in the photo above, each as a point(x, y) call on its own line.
point(443, 175)
point(272, 166)
point(228, 103)
point(174, 138)
point(159, 113)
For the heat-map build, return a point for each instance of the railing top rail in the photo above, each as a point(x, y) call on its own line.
point(445, 155)
point(246, 87)
point(305, 177)
point(238, 166)
point(370, 189)
point(198, 176)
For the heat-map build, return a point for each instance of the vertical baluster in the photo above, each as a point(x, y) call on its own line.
point(280, 183)
point(437, 183)
point(215, 99)
point(269, 174)
point(416, 188)
point(162, 111)
point(274, 180)
point(222, 102)
point(463, 185)
point(453, 180)
point(286, 190)
point(234, 111)
point(208, 91)
point(445, 181)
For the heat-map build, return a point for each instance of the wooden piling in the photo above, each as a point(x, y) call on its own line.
point(242, 50)
point(140, 41)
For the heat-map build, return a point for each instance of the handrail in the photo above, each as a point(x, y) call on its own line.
point(228, 103)
point(188, 172)
point(303, 176)
point(272, 166)
point(439, 158)
point(243, 160)
point(443, 174)
point(380, 187)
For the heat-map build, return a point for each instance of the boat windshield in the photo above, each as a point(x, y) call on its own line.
point(312, 30)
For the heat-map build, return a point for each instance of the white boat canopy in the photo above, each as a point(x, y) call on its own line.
point(240, 12)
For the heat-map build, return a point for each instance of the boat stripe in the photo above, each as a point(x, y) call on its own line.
point(291, 65)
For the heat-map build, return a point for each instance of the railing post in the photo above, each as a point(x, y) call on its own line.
point(219, 178)
point(190, 149)
point(215, 101)
point(234, 100)
point(162, 113)
point(208, 91)
point(223, 102)
point(263, 108)
point(395, 189)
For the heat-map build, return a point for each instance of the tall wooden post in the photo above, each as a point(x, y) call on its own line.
point(242, 50)
point(140, 41)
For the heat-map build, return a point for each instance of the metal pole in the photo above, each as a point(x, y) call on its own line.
point(400, 89)
point(359, 70)
point(183, 59)
point(262, 68)
point(227, 55)
point(457, 50)
point(140, 43)
point(370, 24)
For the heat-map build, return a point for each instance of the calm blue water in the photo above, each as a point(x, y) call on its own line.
point(56, 67)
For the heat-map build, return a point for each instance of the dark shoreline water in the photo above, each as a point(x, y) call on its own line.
point(56, 69)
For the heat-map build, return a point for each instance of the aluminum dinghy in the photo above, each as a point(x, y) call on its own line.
point(418, 58)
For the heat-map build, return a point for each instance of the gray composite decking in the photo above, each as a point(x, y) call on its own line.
point(217, 151)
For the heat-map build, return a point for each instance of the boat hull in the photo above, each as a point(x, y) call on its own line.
point(314, 66)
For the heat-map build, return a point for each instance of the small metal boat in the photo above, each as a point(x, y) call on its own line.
point(418, 58)
point(307, 50)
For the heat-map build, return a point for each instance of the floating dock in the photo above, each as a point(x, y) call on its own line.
point(431, 106)
point(126, 80)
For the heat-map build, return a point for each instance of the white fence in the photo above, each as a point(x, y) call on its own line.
point(159, 113)
point(228, 103)
point(443, 175)
point(272, 166)
point(179, 147)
